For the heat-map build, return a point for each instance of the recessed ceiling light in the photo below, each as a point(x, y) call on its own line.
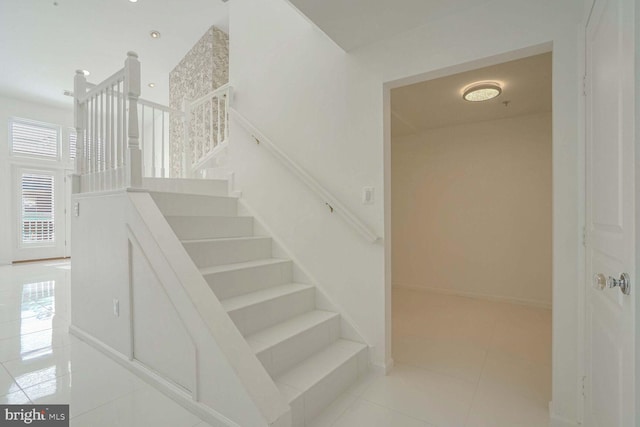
point(133, 1)
point(152, 85)
point(481, 91)
point(155, 34)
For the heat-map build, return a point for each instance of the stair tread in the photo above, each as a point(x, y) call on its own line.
point(199, 195)
point(220, 239)
point(305, 375)
point(206, 216)
point(240, 265)
point(280, 332)
point(152, 178)
point(246, 300)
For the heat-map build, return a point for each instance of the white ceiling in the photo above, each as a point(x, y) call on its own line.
point(355, 23)
point(526, 84)
point(41, 44)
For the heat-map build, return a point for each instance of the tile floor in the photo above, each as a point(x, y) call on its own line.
point(459, 362)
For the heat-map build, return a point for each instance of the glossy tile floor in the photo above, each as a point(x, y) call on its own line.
point(459, 362)
point(41, 363)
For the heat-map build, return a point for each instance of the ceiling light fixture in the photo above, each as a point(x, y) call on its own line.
point(133, 1)
point(85, 72)
point(152, 85)
point(155, 34)
point(481, 91)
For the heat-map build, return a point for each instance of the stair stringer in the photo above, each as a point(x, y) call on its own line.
point(348, 327)
point(249, 396)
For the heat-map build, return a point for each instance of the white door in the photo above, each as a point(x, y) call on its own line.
point(610, 215)
point(39, 213)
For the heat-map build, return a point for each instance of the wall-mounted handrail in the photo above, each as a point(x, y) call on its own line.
point(333, 204)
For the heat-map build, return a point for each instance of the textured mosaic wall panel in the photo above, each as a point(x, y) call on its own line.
point(204, 68)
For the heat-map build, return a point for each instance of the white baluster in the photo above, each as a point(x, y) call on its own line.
point(219, 121)
point(212, 142)
point(80, 89)
point(153, 142)
point(162, 172)
point(132, 80)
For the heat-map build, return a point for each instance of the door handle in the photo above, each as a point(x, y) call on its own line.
point(599, 281)
point(624, 283)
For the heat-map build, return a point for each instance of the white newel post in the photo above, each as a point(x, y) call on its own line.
point(132, 91)
point(79, 116)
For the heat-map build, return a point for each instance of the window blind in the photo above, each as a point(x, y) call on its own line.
point(34, 139)
point(73, 139)
point(38, 220)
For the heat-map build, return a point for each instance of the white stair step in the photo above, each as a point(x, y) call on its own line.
point(313, 384)
point(231, 280)
point(286, 344)
point(210, 187)
point(228, 250)
point(211, 227)
point(258, 310)
point(181, 204)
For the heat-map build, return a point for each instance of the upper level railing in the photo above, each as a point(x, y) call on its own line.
point(108, 154)
point(122, 138)
point(206, 127)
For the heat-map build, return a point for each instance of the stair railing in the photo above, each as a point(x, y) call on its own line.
point(206, 127)
point(108, 154)
point(329, 200)
point(155, 141)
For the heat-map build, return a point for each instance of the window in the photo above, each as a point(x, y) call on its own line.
point(73, 139)
point(33, 138)
point(37, 218)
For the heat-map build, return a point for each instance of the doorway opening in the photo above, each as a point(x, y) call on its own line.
point(471, 252)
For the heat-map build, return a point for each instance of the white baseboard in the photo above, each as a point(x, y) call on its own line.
point(557, 421)
point(383, 369)
point(520, 301)
point(179, 395)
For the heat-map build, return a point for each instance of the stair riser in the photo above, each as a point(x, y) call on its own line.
point(209, 254)
point(191, 228)
point(232, 283)
point(190, 205)
point(287, 354)
point(313, 401)
point(209, 187)
point(268, 313)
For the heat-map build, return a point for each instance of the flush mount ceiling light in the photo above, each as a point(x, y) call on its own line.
point(155, 34)
point(481, 91)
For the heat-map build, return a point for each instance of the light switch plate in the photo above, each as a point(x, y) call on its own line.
point(368, 195)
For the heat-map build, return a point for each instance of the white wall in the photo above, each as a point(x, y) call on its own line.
point(471, 209)
point(328, 110)
point(10, 107)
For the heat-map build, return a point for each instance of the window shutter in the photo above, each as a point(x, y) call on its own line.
point(38, 222)
point(73, 139)
point(34, 139)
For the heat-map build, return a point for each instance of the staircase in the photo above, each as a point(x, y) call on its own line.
point(299, 345)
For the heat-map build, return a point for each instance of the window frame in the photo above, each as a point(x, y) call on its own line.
point(20, 171)
point(28, 122)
